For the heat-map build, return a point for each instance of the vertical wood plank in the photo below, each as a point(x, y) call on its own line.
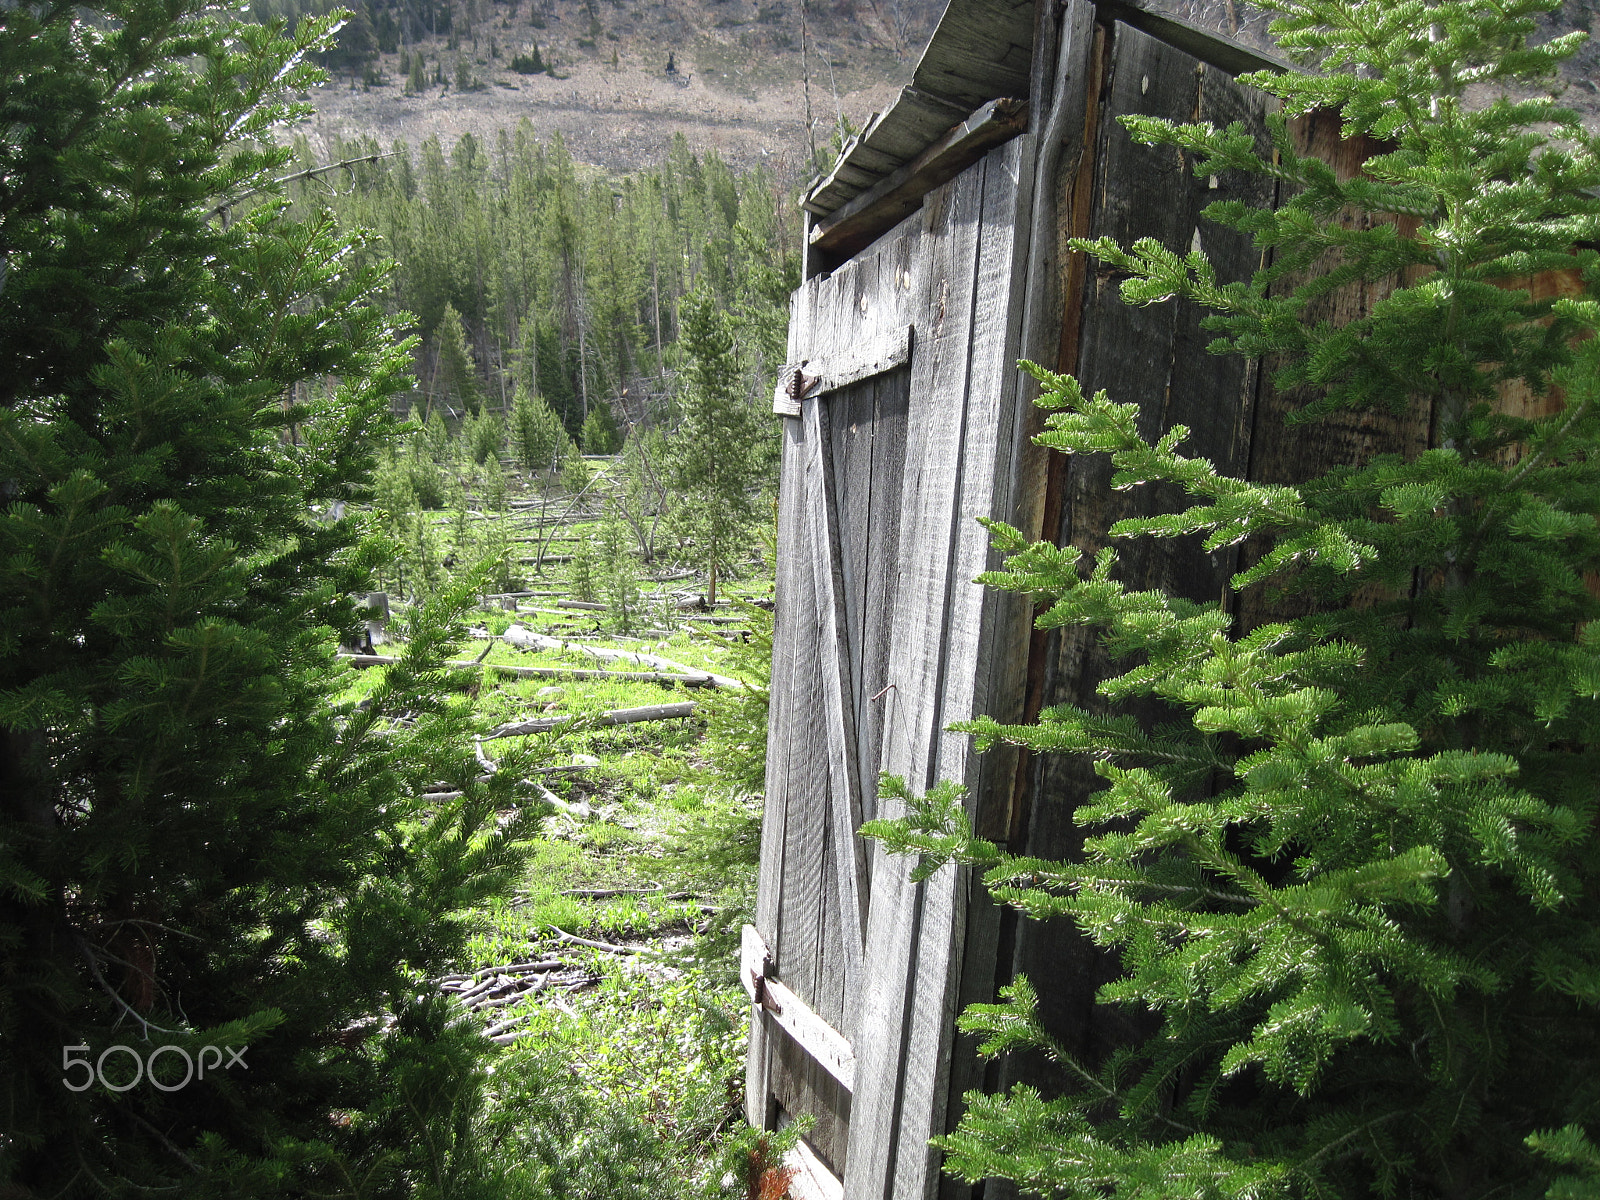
point(798, 945)
point(785, 646)
point(851, 434)
point(891, 399)
point(988, 406)
point(951, 216)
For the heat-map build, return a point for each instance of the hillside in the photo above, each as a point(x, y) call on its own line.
point(736, 83)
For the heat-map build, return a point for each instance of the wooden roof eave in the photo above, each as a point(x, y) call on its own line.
point(982, 50)
point(948, 117)
point(861, 220)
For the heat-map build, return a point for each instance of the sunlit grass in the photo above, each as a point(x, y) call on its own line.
point(653, 1033)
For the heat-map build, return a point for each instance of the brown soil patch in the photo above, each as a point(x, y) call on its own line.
point(618, 118)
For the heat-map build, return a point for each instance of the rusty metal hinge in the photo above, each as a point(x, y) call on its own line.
point(763, 998)
point(800, 384)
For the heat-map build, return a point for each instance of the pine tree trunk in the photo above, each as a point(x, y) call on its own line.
point(655, 301)
point(805, 77)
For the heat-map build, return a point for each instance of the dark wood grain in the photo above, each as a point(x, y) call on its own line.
point(1154, 357)
point(1281, 452)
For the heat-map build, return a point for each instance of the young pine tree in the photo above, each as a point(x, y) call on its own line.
point(575, 473)
point(198, 849)
point(716, 451)
point(643, 498)
point(537, 436)
point(585, 572)
point(618, 571)
point(600, 432)
point(1356, 888)
point(484, 437)
point(455, 380)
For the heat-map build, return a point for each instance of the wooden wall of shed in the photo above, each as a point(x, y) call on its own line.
point(1156, 357)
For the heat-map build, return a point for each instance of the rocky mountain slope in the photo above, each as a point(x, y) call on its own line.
point(1248, 24)
point(621, 79)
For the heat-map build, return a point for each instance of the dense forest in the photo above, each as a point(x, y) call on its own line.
point(564, 282)
point(551, 311)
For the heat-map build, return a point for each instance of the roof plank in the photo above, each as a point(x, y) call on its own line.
point(897, 195)
point(982, 51)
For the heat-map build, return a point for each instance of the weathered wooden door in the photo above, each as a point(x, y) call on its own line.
point(898, 433)
point(839, 524)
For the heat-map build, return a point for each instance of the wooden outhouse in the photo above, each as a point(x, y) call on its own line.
point(935, 261)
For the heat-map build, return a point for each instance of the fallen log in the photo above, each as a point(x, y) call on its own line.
point(481, 988)
point(542, 611)
point(509, 998)
point(506, 1039)
point(449, 791)
point(580, 810)
point(690, 678)
point(520, 635)
point(617, 716)
point(521, 968)
point(583, 941)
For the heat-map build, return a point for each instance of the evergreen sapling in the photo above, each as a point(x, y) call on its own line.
point(455, 379)
point(716, 450)
point(619, 573)
point(198, 846)
point(537, 434)
point(1354, 885)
